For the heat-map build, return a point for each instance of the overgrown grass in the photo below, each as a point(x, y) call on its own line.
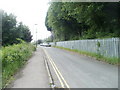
point(110, 60)
point(14, 57)
point(0, 69)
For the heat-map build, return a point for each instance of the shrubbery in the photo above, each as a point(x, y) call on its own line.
point(81, 20)
point(13, 57)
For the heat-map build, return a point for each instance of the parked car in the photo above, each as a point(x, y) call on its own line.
point(45, 44)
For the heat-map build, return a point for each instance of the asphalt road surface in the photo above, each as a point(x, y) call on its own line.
point(84, 72)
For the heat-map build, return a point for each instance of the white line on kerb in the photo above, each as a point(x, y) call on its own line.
point(59, 75)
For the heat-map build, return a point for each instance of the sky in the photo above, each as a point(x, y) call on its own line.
point(30, 12)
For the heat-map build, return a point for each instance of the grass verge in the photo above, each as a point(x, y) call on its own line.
point(110, 60)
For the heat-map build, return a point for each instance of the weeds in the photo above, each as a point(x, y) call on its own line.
point(13, 57)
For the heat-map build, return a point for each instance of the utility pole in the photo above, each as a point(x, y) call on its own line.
point(36, 35)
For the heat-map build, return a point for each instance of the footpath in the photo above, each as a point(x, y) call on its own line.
point(34, 73)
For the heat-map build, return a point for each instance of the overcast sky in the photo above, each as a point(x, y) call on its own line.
point(30, 12)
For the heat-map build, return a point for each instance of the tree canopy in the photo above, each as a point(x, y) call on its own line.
point(11, 30)
point(81, 20)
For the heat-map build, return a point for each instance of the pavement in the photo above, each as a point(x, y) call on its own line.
point(33, 74)
point(80, 71)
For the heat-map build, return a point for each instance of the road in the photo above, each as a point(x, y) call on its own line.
point(81, 71)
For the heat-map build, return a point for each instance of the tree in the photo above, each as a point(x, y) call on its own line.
point(78, 20)
point(11, 30)
point(24, 32)
point(8, 28)
point(39, 41)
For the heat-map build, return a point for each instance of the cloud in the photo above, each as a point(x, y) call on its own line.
point(30, 12)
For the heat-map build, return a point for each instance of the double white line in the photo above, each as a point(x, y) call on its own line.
point(59, 75)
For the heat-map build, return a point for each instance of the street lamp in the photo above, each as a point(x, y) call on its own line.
point(36, 34)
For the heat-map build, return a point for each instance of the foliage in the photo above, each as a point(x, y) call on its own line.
point(11, 30)
point(79, 20)
point(39, 41)
point(0, 69)
point(13, 57)
point(49, 39)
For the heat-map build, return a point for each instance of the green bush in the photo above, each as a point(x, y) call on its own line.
point(13, 57)
point(0, 70)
